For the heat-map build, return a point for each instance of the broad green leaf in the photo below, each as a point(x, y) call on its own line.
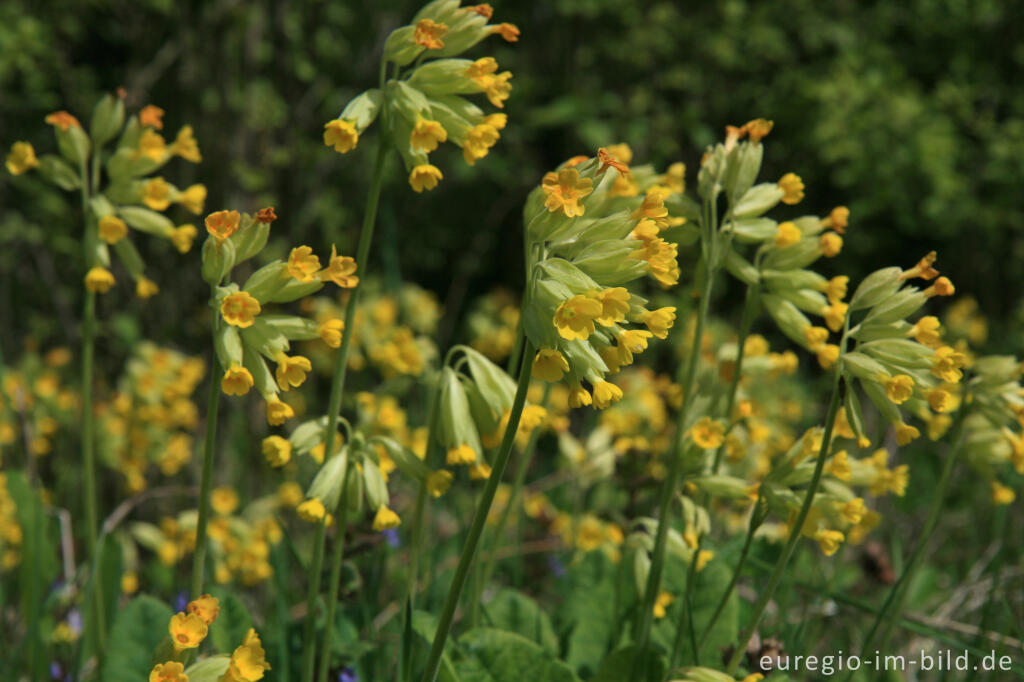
point(515, 612)
point(498, 656)
point(135, 635)
point(233, 622)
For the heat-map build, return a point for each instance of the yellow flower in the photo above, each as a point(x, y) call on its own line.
point(927, 331)
point(152, 116)
point(608, 160)
point(249, 661)
point(237, 380)
point(940, 400)
point(291, 371)
point(146, 288)
point(129, 582)
point(564, 191)
point(509, 32)
point(614, 305)
point(187, 631)
point(206, 607)
point(479, 140)
point(947, 364)
point(828, 355)
point(707, 433)
point(662, 603)
point(341, 270)
point(1001, 494)
point(426, 135)
point(905, 433)
point(438, 482)
point(632, 342)
point(816, 337)
point(341, 135)
point(240, 309)
point(429, 33)
point(495, 85)
point(22, 158)
point(792, 187)
point(479, 471)
point(549, 365)
point(277, 450)
point(835, 289)
point(653, 209)
point(899, 388)
point(606, 393)
point(830, 541)
point(579, 396)
point(112, 229)
point(424, 176)
point(461, 454)
point(278, 412)
point(385, 519)
point(831, 244)
point(788, 234)
point(659, 321)
point(172, 671)
point(329, 332)
point(152, 145)
point(840, 466)
point(574, 318)
point(838, 219)
point(99, 280)
point(942, 287)
point(156, 194)
point(312, 510)
point(853, 511)
point(193, 198)
point(183, 236)
point(62, 120)
point(223, 224)
point(303, 264)
point(185, 145)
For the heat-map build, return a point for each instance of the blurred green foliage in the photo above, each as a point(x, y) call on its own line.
point(906, 112)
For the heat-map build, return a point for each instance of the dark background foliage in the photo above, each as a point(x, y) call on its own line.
point(905, 112)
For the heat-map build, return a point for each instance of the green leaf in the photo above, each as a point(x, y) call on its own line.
point(233, 622)
point(515, 612)
point(708, 590)
point(497, 656)
point(208, 669)
point(136, 633)
point(589, 611)
point(625, 664)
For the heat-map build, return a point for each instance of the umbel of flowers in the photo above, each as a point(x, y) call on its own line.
point(424, 102)
point(590, 236)
point(249, 337)
point(132, 198)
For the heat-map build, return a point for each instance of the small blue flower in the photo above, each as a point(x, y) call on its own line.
point(348, 675)
point(181, 601)
point(392, 538)
point(556, 566)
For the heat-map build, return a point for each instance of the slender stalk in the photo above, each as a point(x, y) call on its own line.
point(746, 322)
point(794, 535)
point(333, 408)
point(685, 625)
point(645, 616)
point(206, 477)
point(335, 579)
point(480, 517)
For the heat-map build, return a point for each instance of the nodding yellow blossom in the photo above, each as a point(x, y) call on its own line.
point(509, 32)
point(312, 510)
point(940, 400)
point(112, 229)
point(792, 188)
point(152, 145)
point(291, 371)
point(835, 315)
point(193, 198)
point(172, 671)
point(838, 219)
point(152, 116)
point(829, 540)
point(840, 467)
point(341, 135)
point(631, 342)
point(533, 416)
point(927, 331)
point(853, 511)
point(206, 607)
point(606, 393)
point(62, 120)
point(385, 519)
point(947, 364)
point(22, 158)
point(303, 264)
point(564, 190)
point(187, 631)
point(831, 244)
point(156, 194)
point(237, 380)
point(674, 179)
point(816, 337)
point(922, 269)
point(278, 412)
point(906, 433)
point(223, 224)
point(707, 433)
point(479, 471)
point(425, 176)
point(240, 309)
point(146, 288)
point(340, 270)
point(704, 557)
point(614, 305)
point(277, 450)
point(479, 140)
point(549, 365)
point(495, 85)
point(662, 603)
point(129, 582)
point(183, 236)
point(438, 482)
point(659, 321)
point(185, 145)
point(835, 288)
point(429, 33)
point(787, 234)
point(248, 662)
point(660, 256)
point(461, 454)
point(574, 318)
point(426, 135)
point(608, 160)
point(330, 331)
point(1001, 494)
point(828, 355)
point(224, 500)
point(579, 396)
point(758, 129)
point(653, 209)
point(942, 287)
point(99, 280)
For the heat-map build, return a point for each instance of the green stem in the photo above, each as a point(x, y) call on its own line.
point(206, 477)
point(333, 408)
point(685, 624)
point(795, 532)
point(646, 615)
point(480, 517)
point(335, 579)
point(747, 321)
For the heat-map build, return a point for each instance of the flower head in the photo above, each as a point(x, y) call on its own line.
point(659, 321)
point(249, 661)
point(206, 607)
point(549, 365)
point(425, 176)
point(277, 450)
point(792, 188)
point(152, 116)
point(385, 519)
point(831, 244)
point(438, 482)
point(193, 198)
point(223, 224)
point(172, 671)
point(614, 305)
point(112, 229)
point(22, 158)
point(341, 135)
point(187, 631)
point(899, 388)
point(426, 135)
point(240, 309)
point(341, 270)
point(237, 380)
point(62, 120)
point(156, 194)
point(707, 433)
point(330, 331)
point(99, 280)
point(574, 319)
point(291, 371)
point(788, 235)
point(312, 510)
point(564, 190)
point(606, 393)
point(183, 236)
point(829, 540)
point(185, 145)
point(428, 34)
point(146, 288)
point(303, 264)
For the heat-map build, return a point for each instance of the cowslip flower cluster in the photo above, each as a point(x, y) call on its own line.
point(35, 401)
point(425, 105)
point(492, 324)
point(132, 197)
point(248, 337)
point(586, 242)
